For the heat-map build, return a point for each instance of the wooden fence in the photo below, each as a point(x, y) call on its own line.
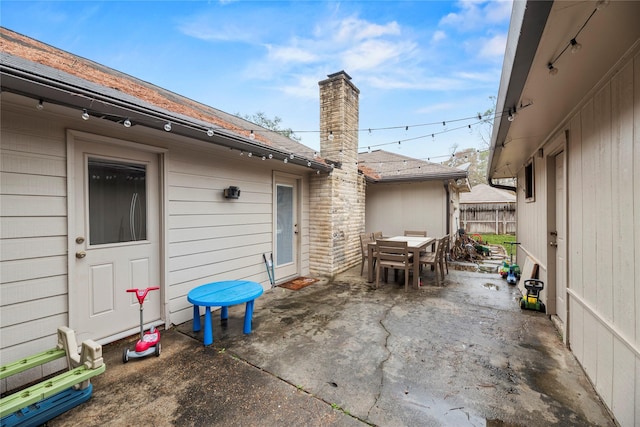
point(488, 218)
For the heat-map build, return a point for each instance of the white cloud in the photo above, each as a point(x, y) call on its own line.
point(475, 14)
point(304, 86)
point(290, 54)
point(372, 54)
point(438, 35)
point(202, 29)
point(494, 47)
point(353, 29)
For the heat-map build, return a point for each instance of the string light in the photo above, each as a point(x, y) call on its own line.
point(210, 132)
point(127, 123)
point(252, 135)
point(40, 105)
point(330, 135)
point(85, 114)
point(167, 126)
point(573, 42)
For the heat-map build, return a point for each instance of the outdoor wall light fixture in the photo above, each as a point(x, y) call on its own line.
point(85, 114)
point(232, 193)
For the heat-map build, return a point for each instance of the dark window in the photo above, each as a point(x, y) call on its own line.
point(529, 183)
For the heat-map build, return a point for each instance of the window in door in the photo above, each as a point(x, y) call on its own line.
point(284, 225)
point(117, 201)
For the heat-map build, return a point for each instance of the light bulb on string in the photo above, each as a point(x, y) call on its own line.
point(575, 46)
point(85, 114)
point(167, 127)
point(127, 123)
point(40, 105)
point(252, 135)
point(330, 135)
point(210, 132)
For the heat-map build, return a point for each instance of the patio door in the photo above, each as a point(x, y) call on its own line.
point(286, 228)
point(115, 243)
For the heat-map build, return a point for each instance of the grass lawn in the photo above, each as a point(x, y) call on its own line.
point(499, 239)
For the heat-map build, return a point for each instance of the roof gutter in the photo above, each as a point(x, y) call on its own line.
point(528, 20)
point(97, 104)
point(414, 178)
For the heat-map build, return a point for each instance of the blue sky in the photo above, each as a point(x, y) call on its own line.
point(415, 62)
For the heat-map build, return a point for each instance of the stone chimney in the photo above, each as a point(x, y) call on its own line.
point(337, 201)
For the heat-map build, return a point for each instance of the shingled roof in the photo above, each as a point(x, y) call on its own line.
point(34, 69)
point(383, 166)
point(483, 193)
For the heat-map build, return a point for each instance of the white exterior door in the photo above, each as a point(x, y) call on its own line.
point(286, 228)
point(115, 243)
point(561, 248)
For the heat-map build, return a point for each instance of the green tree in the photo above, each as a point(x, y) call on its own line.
point(477, 159)
point(261, 119)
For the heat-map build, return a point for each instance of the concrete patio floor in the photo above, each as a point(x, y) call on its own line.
point(342, 353)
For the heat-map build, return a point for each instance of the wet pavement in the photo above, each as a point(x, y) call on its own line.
point(342, 353)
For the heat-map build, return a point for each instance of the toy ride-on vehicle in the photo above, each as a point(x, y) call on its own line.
point(531, 299)
point(511, 270)
point(149, 342)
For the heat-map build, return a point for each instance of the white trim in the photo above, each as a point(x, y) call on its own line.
point(604, 322)
point(72, 135)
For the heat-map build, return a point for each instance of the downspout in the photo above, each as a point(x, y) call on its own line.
point(448, 209)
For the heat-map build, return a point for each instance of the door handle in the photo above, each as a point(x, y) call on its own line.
point(81, 254)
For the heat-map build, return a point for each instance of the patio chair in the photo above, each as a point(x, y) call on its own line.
point(396, 255)
point(415, 233)
point(446, 251)
point(365, 239)
point(435, 260)
point(377, 235)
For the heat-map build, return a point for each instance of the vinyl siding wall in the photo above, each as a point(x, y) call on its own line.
point(394, 208)
point(205, 237)
point(211, 238)
point(603, 237)
point(33, 236)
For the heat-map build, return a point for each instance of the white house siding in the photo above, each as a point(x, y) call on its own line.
point(603, 236)
point(33, 234)
point(205, 237)
point(211, 238)
point(395, 207)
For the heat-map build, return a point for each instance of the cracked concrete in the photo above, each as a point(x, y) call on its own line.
point(343, 353)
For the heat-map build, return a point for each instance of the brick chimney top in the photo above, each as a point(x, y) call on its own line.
point(339, 73)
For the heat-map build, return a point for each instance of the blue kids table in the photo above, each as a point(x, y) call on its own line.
point(223, 294)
